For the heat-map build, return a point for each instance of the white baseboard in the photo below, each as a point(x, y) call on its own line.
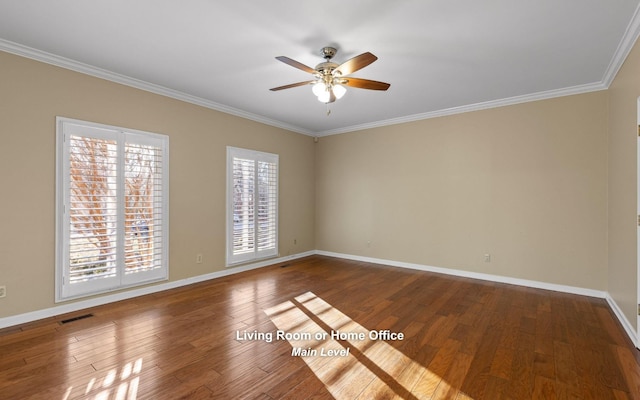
point(628, 327)
point(111, 298)
point(474, 275)
point(84, 304)
point(626, 324)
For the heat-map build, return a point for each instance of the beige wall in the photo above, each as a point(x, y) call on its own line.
point(525, 183)
point(622, 179)
point(548, 188)
point(32, 94)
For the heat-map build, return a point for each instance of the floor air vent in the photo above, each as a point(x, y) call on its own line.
point(79, 317)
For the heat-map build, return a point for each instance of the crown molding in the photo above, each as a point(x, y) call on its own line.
point(624, 48)
point(549, 94)
point(63, 62)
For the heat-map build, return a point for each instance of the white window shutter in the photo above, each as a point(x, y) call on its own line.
point(112, 202)
point(144, 212)
point(252, 205)
point(91, 202)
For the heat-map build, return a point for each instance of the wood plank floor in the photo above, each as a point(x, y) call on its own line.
point(462, 339)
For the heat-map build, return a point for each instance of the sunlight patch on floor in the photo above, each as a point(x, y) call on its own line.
point(371, 366)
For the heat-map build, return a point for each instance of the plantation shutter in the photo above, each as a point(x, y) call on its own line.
point(112, 208)
point(267, 207)
point(92, 210)
point(252, 190)
point(143, 207)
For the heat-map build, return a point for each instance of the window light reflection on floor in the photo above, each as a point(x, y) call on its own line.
point(376, 365)
point(118, 385)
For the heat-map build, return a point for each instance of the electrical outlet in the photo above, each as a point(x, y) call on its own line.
point(198, 258)
point(487, 258)
point(3, 291)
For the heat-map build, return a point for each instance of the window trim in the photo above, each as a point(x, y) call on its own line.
point(63, 290)
point(231, 259)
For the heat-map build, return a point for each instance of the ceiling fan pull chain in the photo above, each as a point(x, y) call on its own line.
point(328, 109)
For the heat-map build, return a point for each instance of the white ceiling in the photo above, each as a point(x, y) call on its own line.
point(440, 57)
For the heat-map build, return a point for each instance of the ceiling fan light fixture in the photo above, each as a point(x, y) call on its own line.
point(323, 90)
point(324, 96)
point(339, 91)
point(319, 88)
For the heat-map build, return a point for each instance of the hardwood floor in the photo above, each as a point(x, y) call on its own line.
point(463, 339)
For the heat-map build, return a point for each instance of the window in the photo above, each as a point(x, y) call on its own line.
point(111, 208)
point(252, 205)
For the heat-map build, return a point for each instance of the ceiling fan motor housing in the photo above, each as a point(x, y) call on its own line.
point(326, 67)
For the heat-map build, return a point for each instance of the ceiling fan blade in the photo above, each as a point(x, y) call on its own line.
point(356, 63)
point(292, 85)
point(296, 64)
point(366, 84)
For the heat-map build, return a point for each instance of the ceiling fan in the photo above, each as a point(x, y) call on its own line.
point(331, 78)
